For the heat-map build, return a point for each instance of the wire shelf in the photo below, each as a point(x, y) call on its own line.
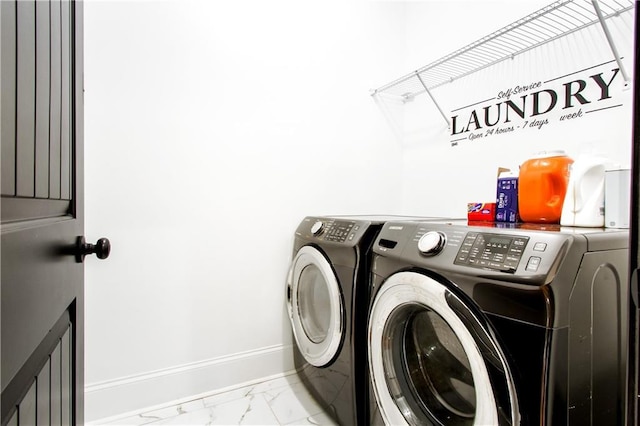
point(545, 25)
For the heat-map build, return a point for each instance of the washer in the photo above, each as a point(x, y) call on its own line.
point(328, 299)
point(488, 325)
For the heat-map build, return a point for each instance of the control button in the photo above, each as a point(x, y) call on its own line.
point(533, 263)
point(317, 228)
point(510, 265)
point(540, 247)
point(351, 236)
point(431, 243)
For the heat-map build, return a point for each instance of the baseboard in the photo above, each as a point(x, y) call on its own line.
point(134, 393)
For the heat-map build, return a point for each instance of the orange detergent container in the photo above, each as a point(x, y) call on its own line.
point(543, 184)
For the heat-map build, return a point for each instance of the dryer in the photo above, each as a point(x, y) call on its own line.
point(520, 324)
point(327, 295)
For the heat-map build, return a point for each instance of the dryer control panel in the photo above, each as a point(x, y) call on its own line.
point(491, 251)
point(339, 231)
point(333, 230)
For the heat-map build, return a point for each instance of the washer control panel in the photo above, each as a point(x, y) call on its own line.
point(527, 253)
point(497, 252)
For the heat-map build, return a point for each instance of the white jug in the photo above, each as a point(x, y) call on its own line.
point(584, 202)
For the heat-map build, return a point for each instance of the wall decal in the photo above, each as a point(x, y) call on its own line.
point(539, 105)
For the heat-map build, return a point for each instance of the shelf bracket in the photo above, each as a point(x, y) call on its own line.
point(434, 100)
point(612, 45)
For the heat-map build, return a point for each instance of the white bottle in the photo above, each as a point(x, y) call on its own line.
point(617, 192)
point(584, 202)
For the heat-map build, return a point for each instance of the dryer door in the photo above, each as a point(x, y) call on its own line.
point(433, 360)
point(315, 306)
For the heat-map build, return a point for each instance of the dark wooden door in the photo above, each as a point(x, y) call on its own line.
point(42, 212)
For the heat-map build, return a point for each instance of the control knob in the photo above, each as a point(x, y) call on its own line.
point(317, 228)
point(431, 243)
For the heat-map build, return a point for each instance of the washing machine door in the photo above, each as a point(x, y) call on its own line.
point(433, 360)
point(315, 306)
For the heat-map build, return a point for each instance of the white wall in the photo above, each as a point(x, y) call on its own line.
point(212, 129)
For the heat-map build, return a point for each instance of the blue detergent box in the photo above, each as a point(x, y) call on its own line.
point(507, 197)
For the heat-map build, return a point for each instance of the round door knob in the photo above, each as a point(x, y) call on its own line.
point(431, 243)
point(102, 248)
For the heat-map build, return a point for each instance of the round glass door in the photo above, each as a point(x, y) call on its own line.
point(428, 358)
point(315, 306)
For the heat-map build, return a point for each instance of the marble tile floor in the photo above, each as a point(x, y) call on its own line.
point(280, 401)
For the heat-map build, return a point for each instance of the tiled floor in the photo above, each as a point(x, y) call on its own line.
point(281, 401)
